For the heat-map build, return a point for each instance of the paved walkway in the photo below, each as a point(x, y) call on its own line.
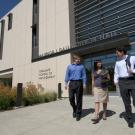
point(55, 119)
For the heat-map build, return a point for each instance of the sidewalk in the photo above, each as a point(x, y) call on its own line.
point(55, 118)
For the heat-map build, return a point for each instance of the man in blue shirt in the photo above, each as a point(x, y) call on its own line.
point(75, 80)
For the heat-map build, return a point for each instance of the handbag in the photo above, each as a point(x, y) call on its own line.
point(128, 64)
point(104, 76)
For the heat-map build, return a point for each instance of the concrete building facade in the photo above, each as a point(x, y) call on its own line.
point(38, 38)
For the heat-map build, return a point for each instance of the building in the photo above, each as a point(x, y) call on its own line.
point(38, 38)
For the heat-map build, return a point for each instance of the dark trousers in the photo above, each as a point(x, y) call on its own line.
point(75, 96)
point(127, 90)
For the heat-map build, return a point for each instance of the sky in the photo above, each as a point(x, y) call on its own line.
point(7, 5)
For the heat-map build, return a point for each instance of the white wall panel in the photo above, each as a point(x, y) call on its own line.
point(53, 34)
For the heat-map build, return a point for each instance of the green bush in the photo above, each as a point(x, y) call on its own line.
point(50, 96)
point(41, 98)
point(31, 100)
point(7, 98)
point(31, 96)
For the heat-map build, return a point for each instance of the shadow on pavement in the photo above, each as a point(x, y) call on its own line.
point(109, 113)
point(123, 115)
point(86, 112)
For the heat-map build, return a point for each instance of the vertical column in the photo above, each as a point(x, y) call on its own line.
point(19, 94)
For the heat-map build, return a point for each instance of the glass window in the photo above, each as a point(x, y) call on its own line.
point(127, 29)
point(126, 4)
point(111, 23)
point(132, 38)
point(127, 10)
point(127, 17)
point(35, 4)
point(34, 35)
point(35, 1)
point(10, 21)
point(110, 6)
point(93, 17)
point(2, 37)
point(131, 50)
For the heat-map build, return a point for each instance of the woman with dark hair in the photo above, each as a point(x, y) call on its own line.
point(100, 78)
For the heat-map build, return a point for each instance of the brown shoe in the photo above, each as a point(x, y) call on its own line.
point(95, 121)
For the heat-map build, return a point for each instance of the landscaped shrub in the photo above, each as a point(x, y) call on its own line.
point(31, 95)
point(7, 98)
point(50, 96)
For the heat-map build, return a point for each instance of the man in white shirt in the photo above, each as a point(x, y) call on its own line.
point(123, 76)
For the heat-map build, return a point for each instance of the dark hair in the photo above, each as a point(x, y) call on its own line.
point(121, 49)
point(95, 64)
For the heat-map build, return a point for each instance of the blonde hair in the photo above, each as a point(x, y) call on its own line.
point(76, 56)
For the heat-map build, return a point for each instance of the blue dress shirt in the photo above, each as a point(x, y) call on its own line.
point(75, 72)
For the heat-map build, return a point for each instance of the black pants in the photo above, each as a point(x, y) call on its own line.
point(127, 89)
point(75, 96)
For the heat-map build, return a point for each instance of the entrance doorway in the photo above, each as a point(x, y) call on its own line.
point(108, 61)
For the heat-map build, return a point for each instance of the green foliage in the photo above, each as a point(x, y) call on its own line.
point(7, 98)
point(31, 95)
point(49, 96)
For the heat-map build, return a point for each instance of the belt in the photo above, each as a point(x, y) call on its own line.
point(126, 78)
point(76, 80)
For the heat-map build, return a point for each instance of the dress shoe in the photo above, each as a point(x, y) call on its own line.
point(95, 121)
point(78, 118)
point(104, 118)
point(74, 114)
point(130, 124)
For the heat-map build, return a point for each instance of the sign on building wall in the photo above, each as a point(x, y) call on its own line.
point(45, 74)
point(82, 43)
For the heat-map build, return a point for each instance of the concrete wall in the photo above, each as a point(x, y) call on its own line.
point(54, 25)
point(17, 41)
point(54, 33)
